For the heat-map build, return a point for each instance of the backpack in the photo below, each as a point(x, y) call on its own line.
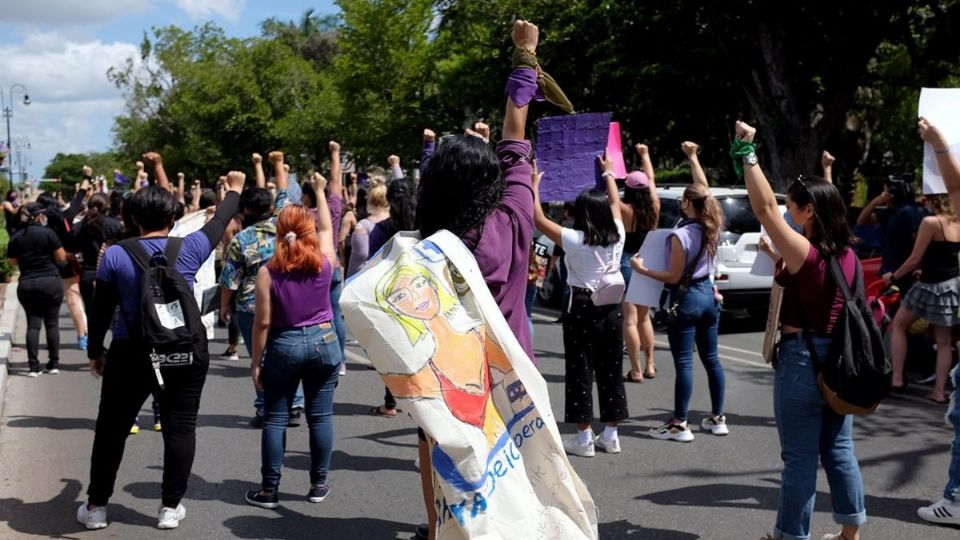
point(856, 375)
point(169, 322)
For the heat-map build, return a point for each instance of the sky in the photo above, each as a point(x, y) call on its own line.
point(60, 50)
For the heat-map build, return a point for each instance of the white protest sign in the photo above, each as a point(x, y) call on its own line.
point(763, 265)
point(941, 106)
point(421, 310)
point(645, 291)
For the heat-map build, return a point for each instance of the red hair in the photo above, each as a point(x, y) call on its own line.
point(298, 247)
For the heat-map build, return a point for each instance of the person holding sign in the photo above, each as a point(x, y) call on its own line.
point(640, 208)
point(593, 328)
point(810, 432)
point(691, 250)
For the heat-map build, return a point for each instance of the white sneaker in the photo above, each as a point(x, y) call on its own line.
point(943, 511)
point(611, 446)
point(343, 369)
point(33, 374)
point(232, 356)
point(92, 519)
point(672, 432)
point(715, 424)
point(169, 518)
point(53, 371)
point(583, 450)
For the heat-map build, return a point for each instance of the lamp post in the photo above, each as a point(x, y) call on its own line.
point(8, 113)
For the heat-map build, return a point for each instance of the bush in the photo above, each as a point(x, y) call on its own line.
point(7, 270)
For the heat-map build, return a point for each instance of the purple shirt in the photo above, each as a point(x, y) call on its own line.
point(118, 268)
point(501, 247)
point(335, 205)
point(690, 237)
point(300, 299)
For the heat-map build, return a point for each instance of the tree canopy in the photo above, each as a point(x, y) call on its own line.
point(843, 76)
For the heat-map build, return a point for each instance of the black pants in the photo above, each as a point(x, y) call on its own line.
point(389, 402)
point(41, 299)
point(88, 279)
point(128, 379)
point(593, 343)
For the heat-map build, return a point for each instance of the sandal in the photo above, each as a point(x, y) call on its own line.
point(380, 410)
point(651, 374)
point(937, 401)
point(628, 377)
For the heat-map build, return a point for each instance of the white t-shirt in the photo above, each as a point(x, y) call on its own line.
point(587, 264)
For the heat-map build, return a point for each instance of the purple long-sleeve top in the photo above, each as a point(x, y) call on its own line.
point(501, 247)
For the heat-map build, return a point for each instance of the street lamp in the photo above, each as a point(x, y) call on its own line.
point(8, 113)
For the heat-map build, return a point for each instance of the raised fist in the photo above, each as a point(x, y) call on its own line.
point(526, 35)
point(181, 177)
point(393, 161)
point(745, 132)
point(319, 182)
point(257, 159)
point(235, 181)
point(483, 130)
point(152, 158)
point(139, 166)
point(642, 149)
point(689, 148)
point(275, 157)
point(334, 146)
point(429, 135)
point(87, 171)
point(827, 159)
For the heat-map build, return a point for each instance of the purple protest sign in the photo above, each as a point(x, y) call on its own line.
point(567, 150)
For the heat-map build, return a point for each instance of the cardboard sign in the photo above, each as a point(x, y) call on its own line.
point(643, 290)
point(422, 311)
point(567, 150)
point(615, 150)
point(941, 106)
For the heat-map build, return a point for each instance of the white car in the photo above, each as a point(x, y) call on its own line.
point(743, 293)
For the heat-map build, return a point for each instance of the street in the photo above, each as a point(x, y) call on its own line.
point(711, 488)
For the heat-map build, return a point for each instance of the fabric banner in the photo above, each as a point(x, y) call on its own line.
point(567, 150)
point(206, 278)
point(433, 331)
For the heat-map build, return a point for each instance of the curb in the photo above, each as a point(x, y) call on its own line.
point(8, 318)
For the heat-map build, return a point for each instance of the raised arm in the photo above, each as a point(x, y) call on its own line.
point(540, 220)
point(324, 221)
point(276, 159)
point(429, 147)
point(946, 161)
point(396, 171)
point(793, 246)
point(826, 161)
point(336, 169)
point(613, 194)
point(525, 36)
point(644, 153)
point(258, 174)
point(181, 194)
point(156, 161)
point(690, 150)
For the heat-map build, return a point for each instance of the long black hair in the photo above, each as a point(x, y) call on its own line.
point(644, 215)
point(592, 216)
point(461, 185)
point(401, 193)
point(830, 234)
point(116, 204)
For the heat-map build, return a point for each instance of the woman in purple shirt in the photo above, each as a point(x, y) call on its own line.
point(294, 340)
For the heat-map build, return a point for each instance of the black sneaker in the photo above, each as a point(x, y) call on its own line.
point(264, 500)
point(256, 422)
point(295, 414)
point(318, 493)
point(423, 532)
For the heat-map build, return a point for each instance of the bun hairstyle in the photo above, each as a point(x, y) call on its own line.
point(377, 198)
point(97, 208)
point(709, 213)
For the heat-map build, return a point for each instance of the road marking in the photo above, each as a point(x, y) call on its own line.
point(744, 351)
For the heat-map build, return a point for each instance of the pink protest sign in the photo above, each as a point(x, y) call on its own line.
point(567, 150)
point(615, 150)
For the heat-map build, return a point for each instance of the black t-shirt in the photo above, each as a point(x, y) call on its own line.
point(87, 241)
point(33, 247)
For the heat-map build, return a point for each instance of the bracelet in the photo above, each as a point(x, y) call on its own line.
point(942, 151)
point(608, 173)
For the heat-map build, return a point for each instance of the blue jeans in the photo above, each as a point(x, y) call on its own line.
point(810, 432)
point(311, 355)
point(245, 322)
point(528, 302)
point(952, 491)
point(625, 269)
point(698, 316)
point(336, 287)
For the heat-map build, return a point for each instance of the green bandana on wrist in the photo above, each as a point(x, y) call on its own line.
point(551, 90)
point(738, 150)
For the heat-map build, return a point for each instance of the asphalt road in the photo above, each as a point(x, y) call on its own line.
point(714, 487)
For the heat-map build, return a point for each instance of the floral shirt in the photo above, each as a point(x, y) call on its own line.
point(250, 249)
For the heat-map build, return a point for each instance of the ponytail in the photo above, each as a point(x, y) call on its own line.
point(710, 215)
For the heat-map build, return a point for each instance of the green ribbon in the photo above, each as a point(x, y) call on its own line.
point(551, 90)
point(738, 150)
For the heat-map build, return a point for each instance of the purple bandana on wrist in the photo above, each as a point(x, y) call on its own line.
point(522, 86)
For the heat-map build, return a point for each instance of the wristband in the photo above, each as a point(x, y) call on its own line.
point(942, 151)
point(608, 173)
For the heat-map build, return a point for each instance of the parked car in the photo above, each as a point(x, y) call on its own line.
point(743, 293)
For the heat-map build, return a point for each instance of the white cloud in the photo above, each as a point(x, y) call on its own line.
point(205, 9)
point(73, 103)
point(70, 12)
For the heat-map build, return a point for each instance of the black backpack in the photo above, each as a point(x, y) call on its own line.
point(169, 322)
point(856, 375)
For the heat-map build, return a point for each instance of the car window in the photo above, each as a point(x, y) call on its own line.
point(738, 217)
point(669, 213)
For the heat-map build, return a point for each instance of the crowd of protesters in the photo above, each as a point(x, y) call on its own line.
point(273, 265)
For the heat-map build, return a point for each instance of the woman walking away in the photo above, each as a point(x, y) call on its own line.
point(947, 510)
point(294, 341)
point(89, 236)
point(592, 333)
point(936, 296)
point(39, 254)
point(640, 208)
point(11, 206)
point(691, 251)
point(378, 209)
point(809, 430)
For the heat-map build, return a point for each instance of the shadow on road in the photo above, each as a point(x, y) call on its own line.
point(625, 529)
point(51, 422)
point(290, 524)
